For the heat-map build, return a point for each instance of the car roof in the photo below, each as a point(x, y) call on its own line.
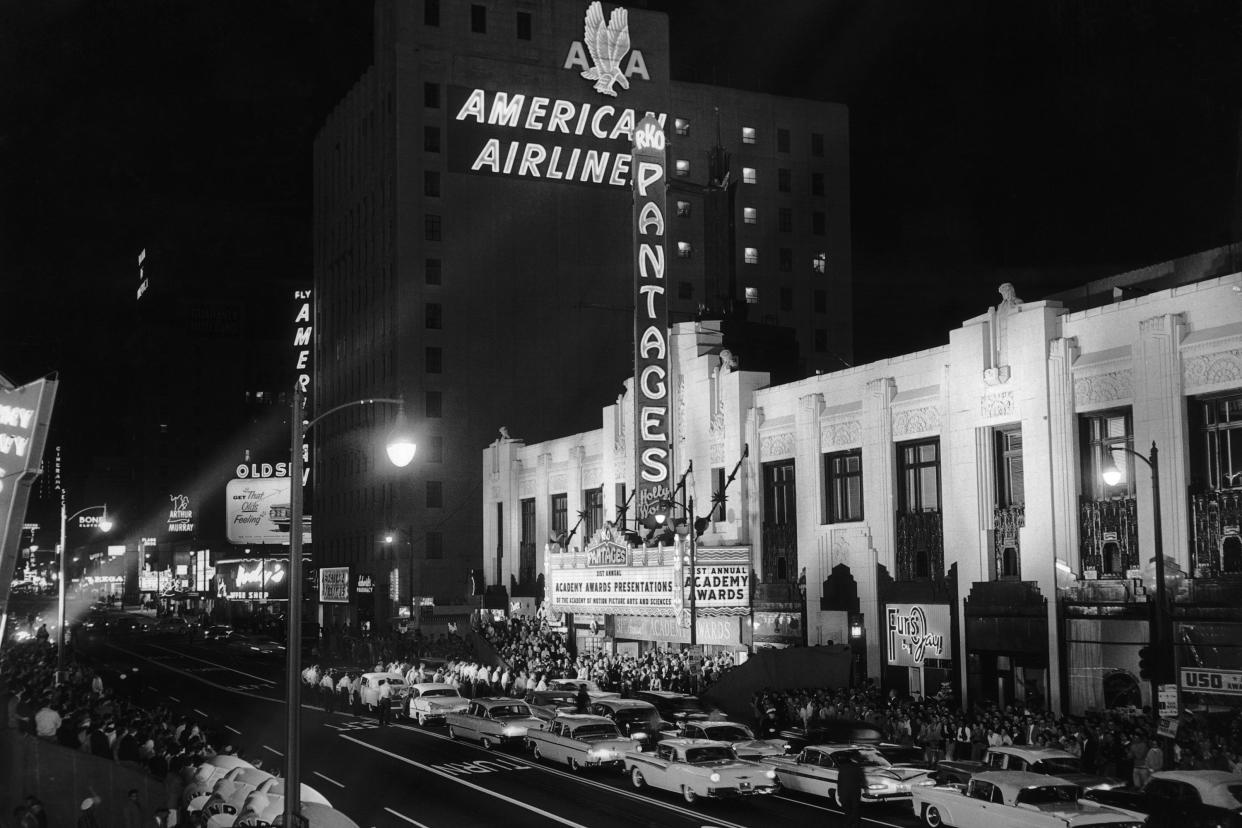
point(1033, 753)
point(432, 685)
point(1015, 780)
point(1203, 777)
point(582, 718)
point(689, 743)
point(384, 675)
point(665, 694)
point(492, 701)
point(618, 702)
point(832, 747)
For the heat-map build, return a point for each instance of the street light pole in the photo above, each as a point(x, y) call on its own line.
point(400, 451)
point(106, 526)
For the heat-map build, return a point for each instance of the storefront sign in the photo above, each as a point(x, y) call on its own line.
point(653, 471)
point(612, 63)
point(180, 516)
point(257, 511)
point(917, 632)
point(1224, 682)
point(669, 629)
point(366, 584)
point(334, 585)
point(253, 580)
point(116, 550)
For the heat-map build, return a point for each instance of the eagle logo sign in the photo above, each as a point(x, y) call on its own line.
point(608, 45)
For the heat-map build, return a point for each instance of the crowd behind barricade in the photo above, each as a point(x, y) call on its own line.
point(1123, 744)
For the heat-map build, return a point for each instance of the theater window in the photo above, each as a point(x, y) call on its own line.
point(431, 12)
point(817, 144)
point(431, 183)
point(819, 263)
point(817, 184)
point(434, 405)
point(435, 359)
point(819, 223)
point(786, 260)
point(431, 228)
point(434, 316)
point(431, 139)
point(749, 175)
point(435, 494)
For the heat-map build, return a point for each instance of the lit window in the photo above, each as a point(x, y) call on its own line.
point(820, 263)
point(683, 208)
point(749, 176)
point(752, 255)
point(748, 135)
point(683, 167)
point(752, 296)
point(683, 249)
point(750, 215)
point(681, 126)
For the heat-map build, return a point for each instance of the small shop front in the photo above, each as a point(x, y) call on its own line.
point(918, 648)
point(249, 588)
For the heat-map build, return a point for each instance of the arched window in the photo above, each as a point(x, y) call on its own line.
point(1121, 690)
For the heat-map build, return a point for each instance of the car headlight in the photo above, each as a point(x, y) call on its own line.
point(770, 774)
point(926, 783)
point(515, 730)
point(876, 786)
point(638, 737)
point(715, 777)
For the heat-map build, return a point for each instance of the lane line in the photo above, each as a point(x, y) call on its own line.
point(232, 730)
point(273, 750)
point(406, 818)
point(215, 664)
point(328, 778)
point(201, 713)
point(174, 698)
point(479, 788)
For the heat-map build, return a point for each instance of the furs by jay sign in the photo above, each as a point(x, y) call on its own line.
point(916, 632)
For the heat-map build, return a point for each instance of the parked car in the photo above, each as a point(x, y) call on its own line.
point(493, 721)
point(699, 768)
point(834, 732)
point(1182, 799)
point(369, 690)
point(1015, 799)
point(1050, 761)
point(217, 632)
point(172, 624)
point(580, 741)
point(430, 701)
point(814, 771)
point(741, 737)
point(548, 704)
point(673, 707)
point(636, 719)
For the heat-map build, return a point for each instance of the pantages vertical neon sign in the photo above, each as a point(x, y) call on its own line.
point(653, 465)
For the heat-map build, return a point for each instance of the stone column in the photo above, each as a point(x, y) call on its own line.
point(1063, 435)
point(1160, 415)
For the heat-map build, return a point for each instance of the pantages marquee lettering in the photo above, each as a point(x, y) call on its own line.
point(651, 432)
point(589, 153)
point(909, 633)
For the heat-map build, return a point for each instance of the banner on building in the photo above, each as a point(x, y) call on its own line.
point(257, 511)
point(334, 584)
point(917, 632)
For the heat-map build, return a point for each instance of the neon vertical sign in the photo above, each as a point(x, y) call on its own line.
point(653, 463)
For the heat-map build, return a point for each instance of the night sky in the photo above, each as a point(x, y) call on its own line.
point(1042, 143)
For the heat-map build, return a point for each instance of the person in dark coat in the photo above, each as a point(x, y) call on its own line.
point(850, 784)
point(583, 699)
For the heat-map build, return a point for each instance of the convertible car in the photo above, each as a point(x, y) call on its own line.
point(699, 767)
point(814, 771)
point(1016, 799)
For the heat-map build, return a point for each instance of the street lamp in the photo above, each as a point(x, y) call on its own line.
point(1160, 634)
point(105, 525)
point(401, 448)
point(692, 527)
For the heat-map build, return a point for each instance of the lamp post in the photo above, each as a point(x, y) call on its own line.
point(105, 525)
point(1160, 633)
point(401, 448)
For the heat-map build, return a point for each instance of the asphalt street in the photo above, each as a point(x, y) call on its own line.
point(403, 774)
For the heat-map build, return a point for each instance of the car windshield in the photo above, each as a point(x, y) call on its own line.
point(703, 755)
point(443, 691)
point(509, 711)
point(866, 757)
point(1059, 765)
point(1048, 794)
point(686, 705)
point(729, 733)
point(555, 698)
point(634, 716)
point(595, 732)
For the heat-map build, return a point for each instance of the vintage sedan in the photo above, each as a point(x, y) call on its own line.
point(1051, 761)
point(1016, 799)
point(369, 689)
point(493, 721)
point(699, 768)
point(637, 719)
point(574, 685)
point(430, 701)
point(814, 771)
point(580, 741)
point(548, 704)
point(745, 745)
point(1182, 798)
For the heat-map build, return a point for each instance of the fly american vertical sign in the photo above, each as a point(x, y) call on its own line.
point(653, 463)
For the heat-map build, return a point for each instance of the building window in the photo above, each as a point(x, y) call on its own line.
point(786, 260)
point(918, 474)
point(435, 494)
point(431, 183)
point(751, 255)
point(784, 219)
point(435, 449)
point(748, 135)
point(718, 503)
point(782, 140)
point(818, 223)
point(1009, 487)
point(431, 12)
point(752, 295)
point(784, 180)
point(435, 404)
point(434, 316)
point(749, 175)
point(817, 144)
point(843, 486)
point(750, 215)
point(821, 301)
point(1104, 434)
point(431, 228)
point(478, 19)
point(560, 513)
point(435, 546)
point(821, 341)
point(431, 95)
point(593, 506)
point(1219, 425)
point(432, 271)
point(820, 263)
point(431, 139)
point(682, 166)
point(683, 208)
point(681, 126)
point(524, 25)
point(817, 184)
point(684, 250)
point(786, 298)
point(685, 290)
point(435, 359)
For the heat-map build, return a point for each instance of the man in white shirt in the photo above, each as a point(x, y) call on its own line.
point(47, 721)
point(384, 706)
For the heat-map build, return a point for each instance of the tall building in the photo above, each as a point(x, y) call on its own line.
point(473, 251)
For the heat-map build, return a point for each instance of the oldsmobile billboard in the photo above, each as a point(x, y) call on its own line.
point(257, 511)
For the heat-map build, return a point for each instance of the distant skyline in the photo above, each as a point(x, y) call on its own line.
point(1041, 144)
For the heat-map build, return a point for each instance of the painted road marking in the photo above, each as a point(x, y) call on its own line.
point(481, 766)
point(328, 778)
point(174, 698)
point(349, 726)
point(232, 730)
point(479, 788)
point(406, 818)
point(201, 713)
point(273, 750)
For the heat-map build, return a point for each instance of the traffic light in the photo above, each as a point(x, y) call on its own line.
point(1149, 663)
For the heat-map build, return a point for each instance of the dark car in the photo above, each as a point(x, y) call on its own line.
point(637, 719)
point(1181, 799)
point(840, 731)
point(546, 704)
point(218, 632)
point(673, 707)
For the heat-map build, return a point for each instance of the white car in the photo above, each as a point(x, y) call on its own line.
point(580, 741)
point(493, 721)
point(699, 768)
point(745, 745)
point(814, 771)
point(1016, 799)
point(369, 689)
point(429, 701)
